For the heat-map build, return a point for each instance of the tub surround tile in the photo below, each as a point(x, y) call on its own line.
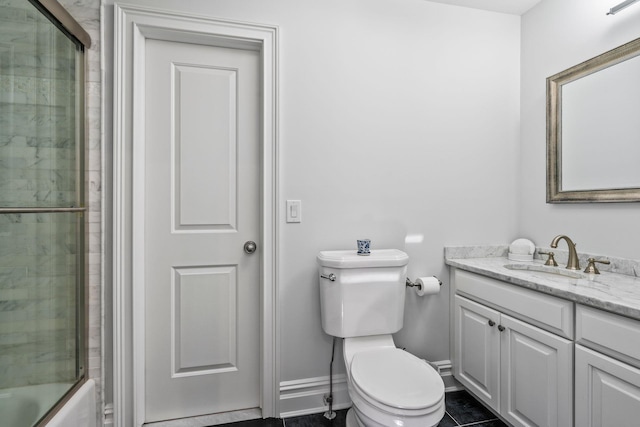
point(611, 291)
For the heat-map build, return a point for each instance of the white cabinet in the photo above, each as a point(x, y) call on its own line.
point(608, 372)
point(536, 376)
point(476, 362)
point(521, 371)
point(607, 391)
point(513, 349)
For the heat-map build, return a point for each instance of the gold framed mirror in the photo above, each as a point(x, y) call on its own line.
point(593, 130)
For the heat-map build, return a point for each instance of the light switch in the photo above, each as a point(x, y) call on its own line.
point(294, 211)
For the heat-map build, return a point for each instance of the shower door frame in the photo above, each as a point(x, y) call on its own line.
point(132, 25)
point(64, 22)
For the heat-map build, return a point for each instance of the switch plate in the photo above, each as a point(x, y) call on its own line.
point(294, 211)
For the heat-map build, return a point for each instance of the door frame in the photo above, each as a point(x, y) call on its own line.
point(132, 25)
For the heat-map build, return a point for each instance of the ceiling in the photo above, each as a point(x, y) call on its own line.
point(514, 7)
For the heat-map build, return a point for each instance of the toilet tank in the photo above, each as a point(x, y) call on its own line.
point(367, 294)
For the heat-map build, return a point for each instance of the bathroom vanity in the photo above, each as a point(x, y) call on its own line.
point(544, 346)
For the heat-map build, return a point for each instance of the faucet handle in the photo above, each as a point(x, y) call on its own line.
point(551, 260)
point(591, 267)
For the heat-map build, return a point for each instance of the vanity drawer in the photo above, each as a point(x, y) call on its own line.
point(608, 333)
point(547, 312)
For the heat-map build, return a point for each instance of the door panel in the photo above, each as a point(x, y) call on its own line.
point(477, 355)
point(204, 146)
point(536, 376)
point(192, 292)
point(202, 348)
point(607, 391)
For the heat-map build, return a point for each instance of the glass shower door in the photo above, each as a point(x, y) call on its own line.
point(42, 329)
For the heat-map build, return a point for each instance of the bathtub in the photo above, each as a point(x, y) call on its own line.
point(80, 410)
point(23, 406)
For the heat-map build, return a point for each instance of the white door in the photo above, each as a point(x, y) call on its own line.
point(477, 353)
point(537, 376)
point(607, 391)
point(202, 203)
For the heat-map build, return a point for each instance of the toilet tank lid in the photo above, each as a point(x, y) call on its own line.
point(351, 259)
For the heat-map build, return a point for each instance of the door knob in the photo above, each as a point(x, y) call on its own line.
point(250, 247)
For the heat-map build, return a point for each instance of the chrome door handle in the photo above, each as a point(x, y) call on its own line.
point(250, 247)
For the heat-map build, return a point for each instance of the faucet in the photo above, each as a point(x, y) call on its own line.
point(573, 263)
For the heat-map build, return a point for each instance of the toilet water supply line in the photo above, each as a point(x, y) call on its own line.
point(330, 414)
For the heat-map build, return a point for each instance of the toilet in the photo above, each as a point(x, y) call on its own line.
point(362, 301)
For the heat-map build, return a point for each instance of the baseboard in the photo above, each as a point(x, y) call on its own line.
point(445, 367)
point(306, 396)
point(107, 416)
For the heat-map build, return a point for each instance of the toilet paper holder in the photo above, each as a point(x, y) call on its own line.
point(410, 284)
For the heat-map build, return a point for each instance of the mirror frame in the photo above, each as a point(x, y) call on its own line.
point(554, 129)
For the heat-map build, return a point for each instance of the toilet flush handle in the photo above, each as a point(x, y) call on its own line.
point(329, 276)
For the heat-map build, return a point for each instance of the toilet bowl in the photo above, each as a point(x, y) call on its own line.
point(362, 301)
point(390, 387)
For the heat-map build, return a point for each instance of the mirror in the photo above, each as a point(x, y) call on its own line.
point(593, 129)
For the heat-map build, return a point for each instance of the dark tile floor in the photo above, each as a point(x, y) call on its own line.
point(461, 410)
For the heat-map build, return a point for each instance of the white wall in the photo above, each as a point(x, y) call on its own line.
point(555, 36)
point(396, 118)
point(405, 117)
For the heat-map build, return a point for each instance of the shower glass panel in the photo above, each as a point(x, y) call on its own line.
point(42, 213)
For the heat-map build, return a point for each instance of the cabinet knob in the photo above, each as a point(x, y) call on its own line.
point(492, 323)
point(501, 328)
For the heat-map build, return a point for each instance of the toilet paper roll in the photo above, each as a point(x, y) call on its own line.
point(427, 285)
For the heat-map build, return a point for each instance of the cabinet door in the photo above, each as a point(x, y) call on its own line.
point(477, 350)
point(537, 376)
point(607, 391)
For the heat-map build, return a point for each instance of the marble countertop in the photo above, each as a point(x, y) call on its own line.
point(614, 292)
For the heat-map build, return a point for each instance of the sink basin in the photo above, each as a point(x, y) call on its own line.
point(547, 270)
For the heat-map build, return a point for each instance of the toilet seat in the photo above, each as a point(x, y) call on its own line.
point(396, 381)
